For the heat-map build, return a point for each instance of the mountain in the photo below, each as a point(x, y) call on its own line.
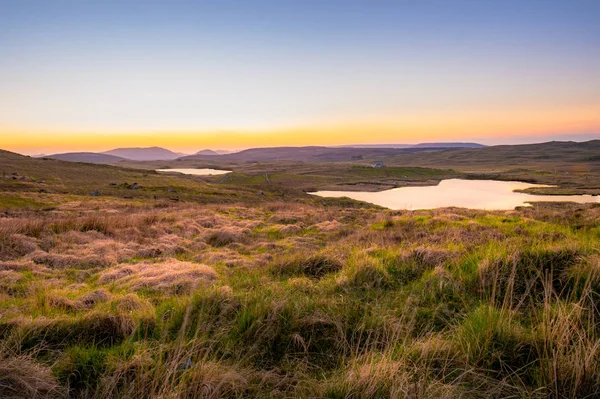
point(90, 157)
point(144, 154)
point(207, 152)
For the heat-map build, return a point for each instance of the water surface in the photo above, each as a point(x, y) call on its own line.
point(196, 172)
point(473, 194)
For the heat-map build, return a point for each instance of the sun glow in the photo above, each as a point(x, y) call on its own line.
point(481, 125)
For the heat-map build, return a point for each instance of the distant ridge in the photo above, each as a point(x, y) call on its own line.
point(303, 154)
point(207, 152)
point(144, 154)
point(420, 145)
point(448, 145)
point(90, 157)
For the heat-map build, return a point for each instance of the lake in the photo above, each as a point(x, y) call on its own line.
point(473, 194)
point(196, 172)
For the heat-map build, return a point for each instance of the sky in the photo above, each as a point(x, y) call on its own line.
point(187, 75)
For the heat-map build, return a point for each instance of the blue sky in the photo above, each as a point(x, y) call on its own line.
point(404, 71)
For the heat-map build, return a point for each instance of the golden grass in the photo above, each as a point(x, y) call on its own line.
point(171, 275)
point(297, 300)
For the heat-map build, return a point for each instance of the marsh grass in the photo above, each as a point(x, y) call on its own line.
point(196, 301)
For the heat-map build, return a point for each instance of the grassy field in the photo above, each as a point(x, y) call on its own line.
point(226, 287)
point(574, 168)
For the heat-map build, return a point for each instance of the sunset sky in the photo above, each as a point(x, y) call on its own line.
point(187, 75)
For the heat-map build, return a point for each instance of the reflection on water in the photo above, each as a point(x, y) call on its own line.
point(474, 194)
point(196, 172)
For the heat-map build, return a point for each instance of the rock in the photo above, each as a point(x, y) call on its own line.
point(95, 193)
point(187, 363)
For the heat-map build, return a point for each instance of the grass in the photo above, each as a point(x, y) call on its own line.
point(296, 297)
point(422, 304)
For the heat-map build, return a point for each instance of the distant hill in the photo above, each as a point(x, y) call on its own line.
point(420, 145)
point(448, 145)
point(503, 156)
point(305, 154)
point(374, 146)
point(315, 153)
point(91, 157)
point(144, 154)
point(207, 152)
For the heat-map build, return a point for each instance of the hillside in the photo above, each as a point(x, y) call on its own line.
point(51, 177)
point(144, 154)
point(544, 155)
point(243, 286)
point(304, 154)
point(90, 157)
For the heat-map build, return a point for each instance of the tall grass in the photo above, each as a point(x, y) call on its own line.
point(422, 305)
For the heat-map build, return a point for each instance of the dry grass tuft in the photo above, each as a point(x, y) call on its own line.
point(90, 300)
point(221, 238)
point(290, 229)
point(430, 257)
point(16, 245)
point(62, 261)
point(327, 226)
point(22, 377)
point(170, 276)
point(129, 303)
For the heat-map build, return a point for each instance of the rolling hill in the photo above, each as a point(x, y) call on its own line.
point(90, 157)
point(541, 155)
point(305, 154)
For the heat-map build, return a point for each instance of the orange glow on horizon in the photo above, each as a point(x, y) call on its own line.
point(379, 130)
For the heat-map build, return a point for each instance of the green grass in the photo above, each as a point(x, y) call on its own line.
point(304, 297)
point(20, 202)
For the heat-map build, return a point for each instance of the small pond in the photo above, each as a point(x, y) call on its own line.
point(196, 172)
point(473, 194)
